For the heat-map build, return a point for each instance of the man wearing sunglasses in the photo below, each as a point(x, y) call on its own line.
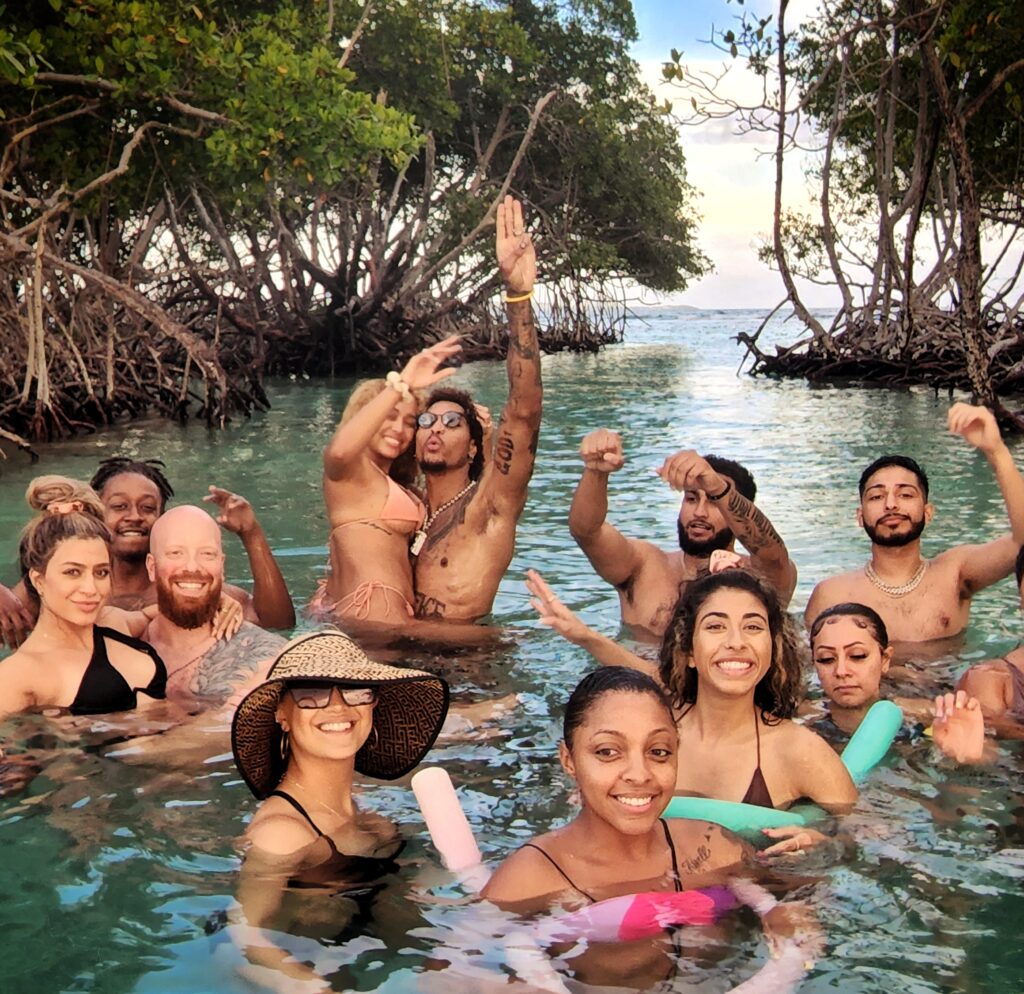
point(474, 499)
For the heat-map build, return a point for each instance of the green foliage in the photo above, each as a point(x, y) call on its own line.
point(977, 38)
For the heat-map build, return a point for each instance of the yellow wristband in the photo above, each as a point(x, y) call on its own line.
point(519, 298)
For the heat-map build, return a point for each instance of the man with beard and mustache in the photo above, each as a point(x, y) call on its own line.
point(922, 599)
point(474, 503)
point(186, 565)
point(718, 509)
point(134, 495)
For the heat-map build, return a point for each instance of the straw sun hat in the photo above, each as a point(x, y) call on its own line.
point(411, 707)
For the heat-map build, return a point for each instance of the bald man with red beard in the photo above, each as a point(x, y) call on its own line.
point(186, 564)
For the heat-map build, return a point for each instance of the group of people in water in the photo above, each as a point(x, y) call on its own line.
point(122, 603)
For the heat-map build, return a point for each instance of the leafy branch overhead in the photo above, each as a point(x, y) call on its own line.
point(306, 186)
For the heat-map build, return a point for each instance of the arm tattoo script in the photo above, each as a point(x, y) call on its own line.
point(504, 450)
point(751, 526)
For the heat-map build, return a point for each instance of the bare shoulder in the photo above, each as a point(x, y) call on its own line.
point(279, 832)
point(525, 875)
point(832, 590)
point(703, 846)
point(16, 672)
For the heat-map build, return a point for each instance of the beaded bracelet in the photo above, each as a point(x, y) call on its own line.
point(395, 381)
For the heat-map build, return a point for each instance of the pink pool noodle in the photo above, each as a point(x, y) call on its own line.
point(446, 821)
point(637, 916)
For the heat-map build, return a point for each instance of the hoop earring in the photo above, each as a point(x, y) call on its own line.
point(285, 745)
point(375, 737)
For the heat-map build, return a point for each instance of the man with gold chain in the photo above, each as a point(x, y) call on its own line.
point(922, 599)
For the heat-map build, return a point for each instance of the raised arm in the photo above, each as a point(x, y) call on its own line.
point(507, 475)
point(270, 598)
point(983, 565)
point(350, 439)
point(609, 551)
point(687, 470)
point(554, 614)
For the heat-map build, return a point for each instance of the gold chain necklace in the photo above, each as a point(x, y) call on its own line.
point(893, 589)
point(420, 535)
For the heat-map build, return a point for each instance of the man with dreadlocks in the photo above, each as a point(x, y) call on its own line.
point(135, 494)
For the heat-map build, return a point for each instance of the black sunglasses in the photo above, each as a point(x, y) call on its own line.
point(450, 419)
point(318, 694)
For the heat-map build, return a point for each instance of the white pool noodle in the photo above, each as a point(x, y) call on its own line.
point(446, 821)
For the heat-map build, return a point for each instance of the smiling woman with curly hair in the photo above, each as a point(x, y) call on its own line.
point(734, 682)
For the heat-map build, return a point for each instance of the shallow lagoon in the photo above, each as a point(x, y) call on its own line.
point(112, 874)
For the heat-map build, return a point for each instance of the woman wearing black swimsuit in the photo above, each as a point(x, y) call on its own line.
point(69, 661)
point(620, 746)
point(326, 712)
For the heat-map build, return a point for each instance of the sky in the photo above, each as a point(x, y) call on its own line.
point(734, 176)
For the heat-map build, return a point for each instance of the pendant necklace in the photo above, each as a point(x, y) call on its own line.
point(893, 589)
point(420, 535)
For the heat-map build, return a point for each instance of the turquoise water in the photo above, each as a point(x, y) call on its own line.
point(111, 873)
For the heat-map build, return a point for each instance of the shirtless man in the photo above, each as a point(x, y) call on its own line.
point(186, 566)
point(921, 599)
point(718, 508)
point(472, 506)
point(134, 495)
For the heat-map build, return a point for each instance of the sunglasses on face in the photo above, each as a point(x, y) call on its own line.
point(450, 419)
point(318, 695)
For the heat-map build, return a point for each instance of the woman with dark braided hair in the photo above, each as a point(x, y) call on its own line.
point(735, 682)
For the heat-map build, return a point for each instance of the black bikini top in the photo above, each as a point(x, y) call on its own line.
point(103, 689)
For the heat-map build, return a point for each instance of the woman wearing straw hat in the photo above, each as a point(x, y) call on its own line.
point(326, 712)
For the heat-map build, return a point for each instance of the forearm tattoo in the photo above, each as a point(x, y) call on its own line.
point(751, 526)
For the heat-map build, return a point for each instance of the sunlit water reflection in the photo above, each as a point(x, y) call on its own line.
point(112, 875)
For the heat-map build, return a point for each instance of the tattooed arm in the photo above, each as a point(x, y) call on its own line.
point(508, 473)
point(688, 471)
point(767, 551)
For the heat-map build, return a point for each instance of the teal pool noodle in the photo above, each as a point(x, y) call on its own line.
point(872, 739)
point(865, 749)
point(744, 819)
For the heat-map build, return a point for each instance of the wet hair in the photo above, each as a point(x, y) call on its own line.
point(403, 467)
point(1018, 566)
point(151, 469)
point(741, 477)
point(476, 430)
point(778, 692)
point(904, 462)
point(67, 509)
point(867, 616)
point(606, 680)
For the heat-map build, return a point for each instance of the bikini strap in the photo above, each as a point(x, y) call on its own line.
point(757, 736)
point(672, 850)
point(298, 807)
point(576, 887)
point(302, 811)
